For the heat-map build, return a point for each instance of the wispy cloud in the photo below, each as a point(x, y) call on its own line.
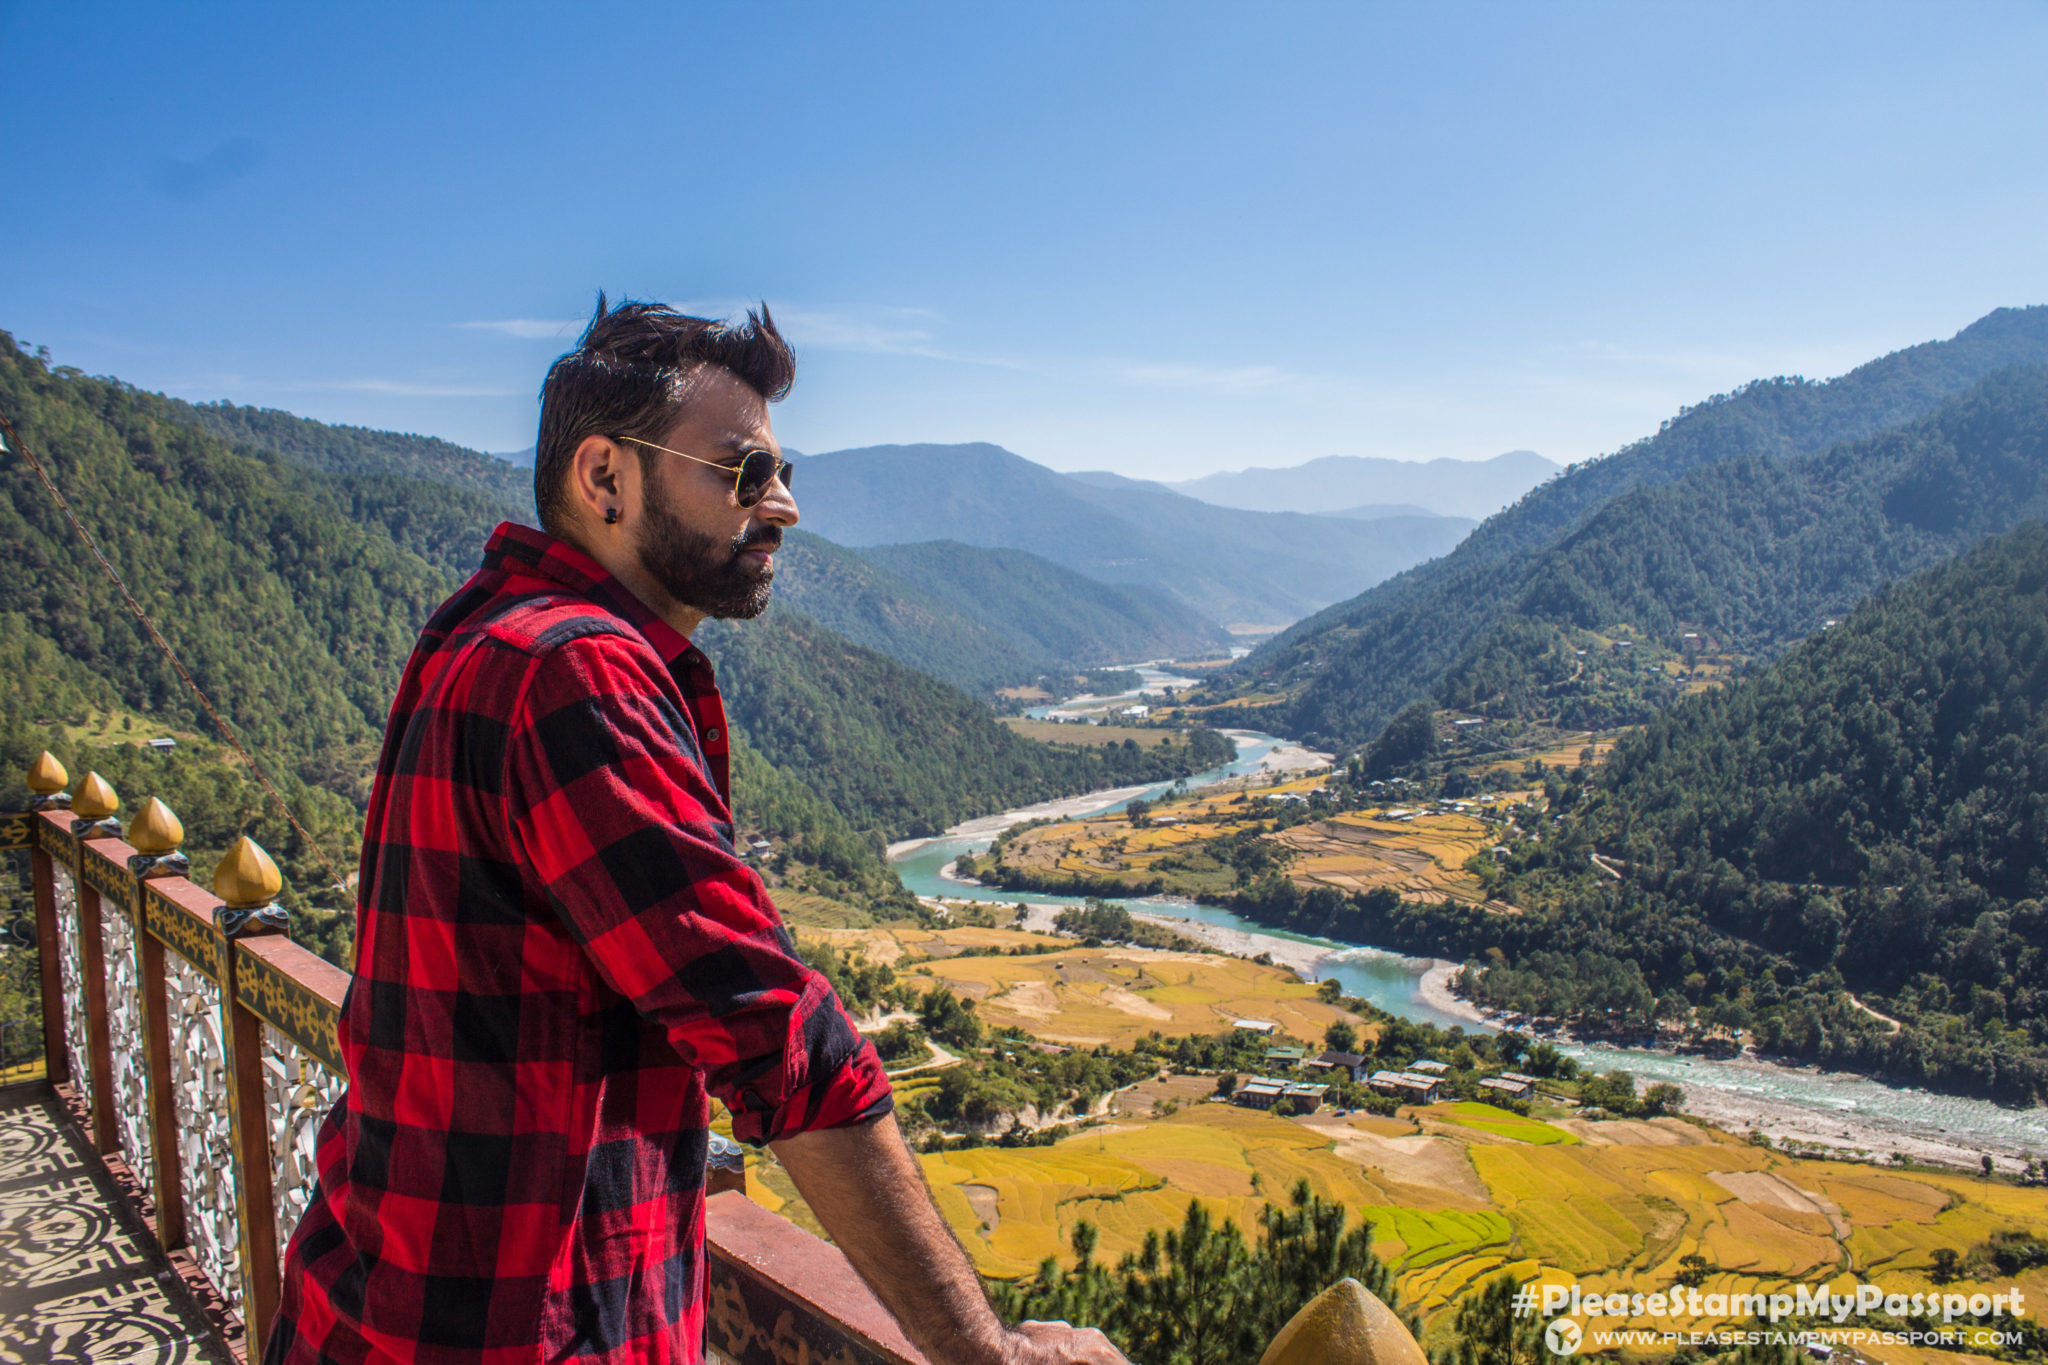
point(872, 331)
point(405, 388)
point(527, 329)
point(191, 181)
point(1231, 379)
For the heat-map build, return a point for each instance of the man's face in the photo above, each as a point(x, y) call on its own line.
point(702, 547)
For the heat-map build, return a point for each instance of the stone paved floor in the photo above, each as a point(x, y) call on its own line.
point(81, 1280)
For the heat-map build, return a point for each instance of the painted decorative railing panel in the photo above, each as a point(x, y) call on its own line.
point(206, 1153)
point(126, 1034)
point(298, 1092)
point(71, 959)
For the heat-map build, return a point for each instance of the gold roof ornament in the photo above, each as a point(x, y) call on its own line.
point(95, 798)
point(156, 829)
point(1344, 1325)
point(46, 776)
point(247, 879)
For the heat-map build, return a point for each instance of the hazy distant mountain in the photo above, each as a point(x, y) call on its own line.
point(1232, 566)
point(1449, 488)
point(1380, 511)
point(521, 458)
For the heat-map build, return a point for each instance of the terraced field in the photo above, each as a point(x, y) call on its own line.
point(1420, 853)
point(1090, 996)
point(1423, 855)
point(1460, 1192)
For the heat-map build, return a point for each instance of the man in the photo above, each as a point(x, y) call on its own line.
point(559, 952)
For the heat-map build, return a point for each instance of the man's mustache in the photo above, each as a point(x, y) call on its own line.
point(766, 537)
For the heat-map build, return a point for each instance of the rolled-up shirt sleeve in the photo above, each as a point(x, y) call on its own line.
point(610, 803)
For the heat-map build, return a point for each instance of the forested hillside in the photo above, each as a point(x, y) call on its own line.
point(1345, 671)
point(361, 450)
point(1057, 615)
point(899, 752)
point(283, 590)
point(979, 618)
point(1867, 818)
point(1752, 555)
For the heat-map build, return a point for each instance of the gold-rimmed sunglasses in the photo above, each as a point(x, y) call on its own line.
point(750, 477)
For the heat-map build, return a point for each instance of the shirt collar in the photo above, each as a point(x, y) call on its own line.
point(517, 549)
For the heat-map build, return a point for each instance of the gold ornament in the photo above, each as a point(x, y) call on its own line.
point(156, 829)
point(95, 798)
point(247, 879)
point(46, 776)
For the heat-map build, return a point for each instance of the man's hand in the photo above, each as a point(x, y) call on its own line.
point(869, 1192)
point(1056, 1343)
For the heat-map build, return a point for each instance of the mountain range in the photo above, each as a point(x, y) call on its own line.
point(1233, 567)
point(1713, 524)
point(1362, 485)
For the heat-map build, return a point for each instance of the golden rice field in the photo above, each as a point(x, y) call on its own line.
point(1565, 753)
point(1053, 732)
point(1461, 1194)
point(1086, 997)
point(1423, 856)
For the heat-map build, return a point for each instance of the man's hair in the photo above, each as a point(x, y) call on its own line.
point(628, 377)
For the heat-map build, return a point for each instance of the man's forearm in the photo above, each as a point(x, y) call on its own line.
point(868, 1191)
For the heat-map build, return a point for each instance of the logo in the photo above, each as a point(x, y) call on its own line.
point(1563, 1337)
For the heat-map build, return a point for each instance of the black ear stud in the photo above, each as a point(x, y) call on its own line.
point(611, 516)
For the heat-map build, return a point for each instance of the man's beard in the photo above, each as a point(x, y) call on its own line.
point(701, 571)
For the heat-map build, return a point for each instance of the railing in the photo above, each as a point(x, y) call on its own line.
point(197, 1044)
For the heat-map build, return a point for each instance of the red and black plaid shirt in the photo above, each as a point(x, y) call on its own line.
point(559, 952)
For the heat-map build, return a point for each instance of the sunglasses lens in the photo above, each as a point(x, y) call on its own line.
point(757, 471)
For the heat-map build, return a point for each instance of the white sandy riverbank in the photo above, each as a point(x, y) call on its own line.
point(1435, 991)
point(1301, 957)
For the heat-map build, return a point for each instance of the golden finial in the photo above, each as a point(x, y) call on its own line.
point(46, 776)
point(1344, 1325)
point(247, 879)
point(156, 829)
point(95, 798)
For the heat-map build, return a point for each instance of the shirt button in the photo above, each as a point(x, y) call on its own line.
point(712, 734)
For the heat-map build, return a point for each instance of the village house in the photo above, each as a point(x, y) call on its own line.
point(1263, 1092)
point(1514, 1090)
point(1423, 1066)
point(1285, 1056)
point(1351, 1063)
point(1259, 1093)
point(1404, 1086)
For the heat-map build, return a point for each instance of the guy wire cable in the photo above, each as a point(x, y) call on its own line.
point(15, 443)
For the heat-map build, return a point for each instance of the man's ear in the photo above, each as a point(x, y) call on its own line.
point(599, 480)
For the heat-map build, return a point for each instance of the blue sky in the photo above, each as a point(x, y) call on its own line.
point(1158, 238)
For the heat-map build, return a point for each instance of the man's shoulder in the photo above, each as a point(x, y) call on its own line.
point(540, 622)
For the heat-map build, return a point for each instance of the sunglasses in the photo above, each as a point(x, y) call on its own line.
point(750, 477)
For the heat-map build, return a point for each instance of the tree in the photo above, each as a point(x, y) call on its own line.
point(1341, 1036)
point(1205, 1294)
point(1487, 1331)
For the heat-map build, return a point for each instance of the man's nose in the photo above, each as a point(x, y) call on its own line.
point(778, 505)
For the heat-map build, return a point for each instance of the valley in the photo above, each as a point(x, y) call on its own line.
point(1672, 758)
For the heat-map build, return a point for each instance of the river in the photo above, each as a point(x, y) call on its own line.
point(1829, 1109)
